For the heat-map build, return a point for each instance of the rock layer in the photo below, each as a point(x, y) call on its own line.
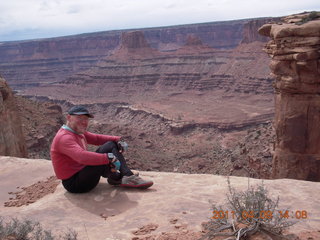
point(135, 69)
point(156, 67)
point(295, 64)
point(34, 62)
point(12, 142)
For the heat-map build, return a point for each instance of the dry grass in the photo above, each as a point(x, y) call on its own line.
point(249, 212)
point(15, 229)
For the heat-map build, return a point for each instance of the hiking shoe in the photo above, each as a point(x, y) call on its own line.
point(114, 182)
point(134, 181)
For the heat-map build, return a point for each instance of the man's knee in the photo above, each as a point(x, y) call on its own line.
point(107, 147)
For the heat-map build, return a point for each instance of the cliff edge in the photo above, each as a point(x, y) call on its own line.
point(176, 204)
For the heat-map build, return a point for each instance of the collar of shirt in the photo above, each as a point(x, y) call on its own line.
point(82, 139)
point(69, 129)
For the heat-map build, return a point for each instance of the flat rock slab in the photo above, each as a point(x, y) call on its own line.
point(174, 201)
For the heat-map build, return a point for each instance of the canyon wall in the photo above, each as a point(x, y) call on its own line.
point(40, 121)
point(295, 53)
point(136, 69)
point(26, 127)
point(178, 85)
point(195, 84)
point(31, 63)
point(12, 141)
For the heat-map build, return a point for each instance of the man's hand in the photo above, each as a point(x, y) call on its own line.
point(122, 146)
point(116, 163)
point(113, 162)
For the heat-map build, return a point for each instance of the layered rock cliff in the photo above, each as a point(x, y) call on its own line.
point(12, 141)
point(135, 69)
point(174, 98)
point(295, 53)
point(163, 86)
point(34, 62)
point(250, 29)
point(27, 127)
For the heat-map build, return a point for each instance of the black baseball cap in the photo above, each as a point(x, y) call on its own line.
point(79, 110)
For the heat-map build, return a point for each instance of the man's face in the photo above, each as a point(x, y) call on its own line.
point(78, 123)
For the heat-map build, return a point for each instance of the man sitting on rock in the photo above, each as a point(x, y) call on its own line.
point(80, 170)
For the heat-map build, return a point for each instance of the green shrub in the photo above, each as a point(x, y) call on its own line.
point(15, 229)
point(311, 16)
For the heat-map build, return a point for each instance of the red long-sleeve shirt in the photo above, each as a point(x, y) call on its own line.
point(69, 152)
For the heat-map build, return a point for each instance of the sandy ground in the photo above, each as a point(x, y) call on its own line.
point(32, 193)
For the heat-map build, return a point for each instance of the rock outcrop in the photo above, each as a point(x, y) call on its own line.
point(27, 126)
point(178, 208)
point(295, 53)
point(40, 122)
point(250, 30)
point(12, 141)
point(133, 45)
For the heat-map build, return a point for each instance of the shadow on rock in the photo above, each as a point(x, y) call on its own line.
point(104, 200)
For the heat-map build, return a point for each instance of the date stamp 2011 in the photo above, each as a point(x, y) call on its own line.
point(298, 214)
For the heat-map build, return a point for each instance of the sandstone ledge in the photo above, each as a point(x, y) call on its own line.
point(114, 213)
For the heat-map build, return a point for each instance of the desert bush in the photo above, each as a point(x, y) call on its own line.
point(248, 212)
point(311, 16)
point(15, 229)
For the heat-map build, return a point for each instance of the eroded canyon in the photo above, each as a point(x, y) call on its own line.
point(195, 98)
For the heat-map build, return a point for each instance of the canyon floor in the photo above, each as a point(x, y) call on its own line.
point(174, 208)
point(185, 132)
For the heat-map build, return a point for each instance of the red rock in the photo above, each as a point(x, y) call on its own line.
point(55, 59)
point(12, 142)
point(295, 65)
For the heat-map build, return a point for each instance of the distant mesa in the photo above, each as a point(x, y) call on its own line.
point(54, 60)
point(133, 45)
point(133, 40)
point(194, 45)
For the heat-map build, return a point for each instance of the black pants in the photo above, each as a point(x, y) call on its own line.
point(88, 177)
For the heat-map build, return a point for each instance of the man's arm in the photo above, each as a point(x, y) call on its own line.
point(69, 147)
point(99, 139)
